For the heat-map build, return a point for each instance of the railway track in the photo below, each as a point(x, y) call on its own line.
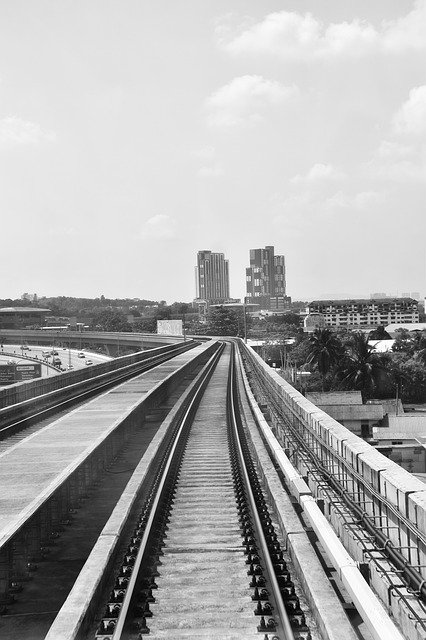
point(204, 560)
point(203, 541)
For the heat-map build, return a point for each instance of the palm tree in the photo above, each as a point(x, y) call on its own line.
point(325, 350)
point(362, 367)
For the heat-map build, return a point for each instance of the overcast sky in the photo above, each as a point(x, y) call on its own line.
point(134, 133)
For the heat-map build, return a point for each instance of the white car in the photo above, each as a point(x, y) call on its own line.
point(81, 355)
point(89, 362)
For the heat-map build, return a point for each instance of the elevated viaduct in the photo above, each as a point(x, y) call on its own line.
point(112, 343)
point(345, 526)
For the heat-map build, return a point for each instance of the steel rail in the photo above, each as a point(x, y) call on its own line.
point(184, 423)
point(235, 422)
point(115, 377)
point(375, 617)
point(412, 576)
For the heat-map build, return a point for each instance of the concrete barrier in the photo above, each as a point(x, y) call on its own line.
point(75, 618)
point(24, 391)
point(379, 487)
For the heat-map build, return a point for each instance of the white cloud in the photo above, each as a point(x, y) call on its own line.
point(205, 153)
point(15, 132)
point(318, 173)
point(242, 101)
point(402, 157)
point(407, 32)
point(158, 227)
point(361, 201)
point(302, 36)
point(411, 117)
point(210, 171)
point(296, 211)
point(399, 162)
point(64, 232)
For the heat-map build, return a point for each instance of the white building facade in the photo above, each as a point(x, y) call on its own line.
point(365, 313)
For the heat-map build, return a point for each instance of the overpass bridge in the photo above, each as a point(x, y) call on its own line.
point(332, 533)
point(111, 342)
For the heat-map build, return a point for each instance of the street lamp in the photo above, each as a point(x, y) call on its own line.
point(183, 326)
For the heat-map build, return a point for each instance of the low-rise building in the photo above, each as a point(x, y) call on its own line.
point(402, 439)
point(365, 313)
point(347, 408)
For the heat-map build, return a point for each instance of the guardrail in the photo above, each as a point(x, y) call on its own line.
point(377, 508)
point(27, 390)
point(129, 338)
point(44, 363)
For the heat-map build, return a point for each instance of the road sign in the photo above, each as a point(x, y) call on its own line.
point(7, 374)
point(10, 373)
point(27, 371)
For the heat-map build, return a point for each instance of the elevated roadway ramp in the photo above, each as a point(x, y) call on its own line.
point(114, 343)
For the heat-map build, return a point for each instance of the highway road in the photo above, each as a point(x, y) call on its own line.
point(35, 353)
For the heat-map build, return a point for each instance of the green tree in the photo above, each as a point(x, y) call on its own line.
point(111, 321)
point(379, 333)
point(222, 321)
point(325, 350)
point(145, 325)
point(412, 377)
point(362, 368)
point(403, 342)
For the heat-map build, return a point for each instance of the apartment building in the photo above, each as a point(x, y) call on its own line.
point(212, 277)
point(365, 313)
point(265, 280)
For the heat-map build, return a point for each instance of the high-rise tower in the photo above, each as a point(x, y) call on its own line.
point(212, 277)
point(265, 279)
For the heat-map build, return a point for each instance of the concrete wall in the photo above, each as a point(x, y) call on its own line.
point(383, 487)
point(41, 386)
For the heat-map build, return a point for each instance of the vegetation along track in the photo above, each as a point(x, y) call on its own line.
point(204, 560)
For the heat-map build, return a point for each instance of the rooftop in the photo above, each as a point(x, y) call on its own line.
point(410, 326)
point(320, 398)
point(364, 301)
point(23, 310)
